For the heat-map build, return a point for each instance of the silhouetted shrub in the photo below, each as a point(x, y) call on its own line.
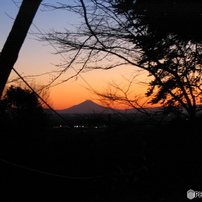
point(21, 110)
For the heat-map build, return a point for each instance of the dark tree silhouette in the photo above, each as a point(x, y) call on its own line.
point(160, 37)
point(22, 110)
point(21, 99)
point(170, 48)
point(12, 46)
point(162, 17)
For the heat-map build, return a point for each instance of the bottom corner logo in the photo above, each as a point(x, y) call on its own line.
point(190, 194)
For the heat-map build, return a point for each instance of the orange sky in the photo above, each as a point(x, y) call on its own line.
point(37, 57)
point(76, 91)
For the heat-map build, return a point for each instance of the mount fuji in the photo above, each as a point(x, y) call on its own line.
point(85, 107)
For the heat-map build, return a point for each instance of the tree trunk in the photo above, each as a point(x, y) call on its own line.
point(16, 38)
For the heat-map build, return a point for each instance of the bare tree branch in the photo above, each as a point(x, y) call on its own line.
point(112, 35)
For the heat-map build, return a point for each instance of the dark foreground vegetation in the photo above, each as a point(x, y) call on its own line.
point(121, 163)
point(134, 161)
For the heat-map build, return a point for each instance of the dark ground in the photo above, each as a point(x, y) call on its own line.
point(139, 163)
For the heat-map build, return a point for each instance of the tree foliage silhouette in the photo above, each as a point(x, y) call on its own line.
point(161, 37)
point(21, 109)
point(162, 17)
point(170, 45)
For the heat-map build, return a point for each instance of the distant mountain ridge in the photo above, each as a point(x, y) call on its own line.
point(85, 107)
point(89, 107)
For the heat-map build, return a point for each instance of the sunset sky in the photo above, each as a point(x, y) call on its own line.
point(37, 57)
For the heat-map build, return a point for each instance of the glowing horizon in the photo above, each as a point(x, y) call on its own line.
point(36, 57)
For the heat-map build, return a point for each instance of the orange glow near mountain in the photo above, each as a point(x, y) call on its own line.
point(38, 64)
point(76, 91)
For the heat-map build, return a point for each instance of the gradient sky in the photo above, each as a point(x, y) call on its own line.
point(36, 57)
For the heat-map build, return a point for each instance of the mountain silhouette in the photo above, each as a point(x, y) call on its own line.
point(85, 107)
point(89, 107)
